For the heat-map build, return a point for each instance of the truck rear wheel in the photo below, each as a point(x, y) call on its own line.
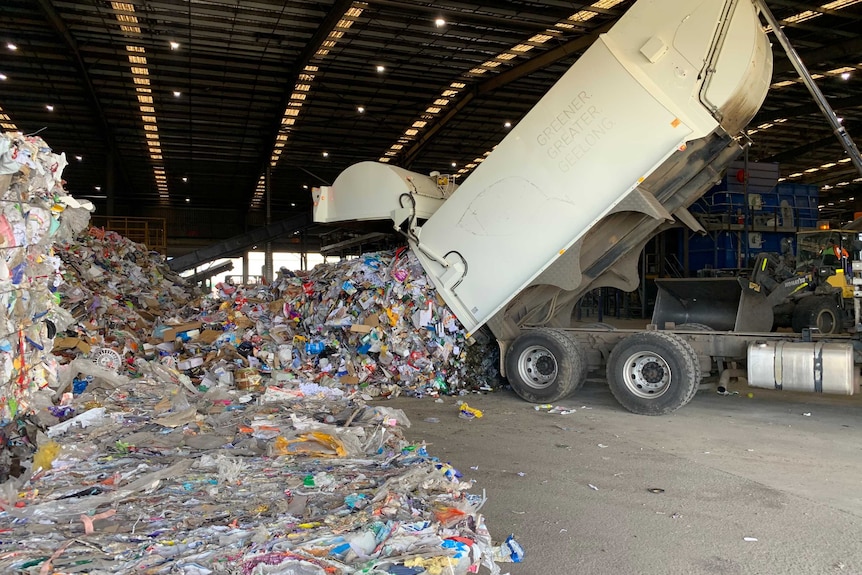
point(704, 361)
point(653, 373)
point(544, 365)
point(821, 312)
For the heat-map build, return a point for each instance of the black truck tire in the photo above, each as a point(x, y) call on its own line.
point(704, 361)
point(544, 365)
point(821, 312)
point(653, 373)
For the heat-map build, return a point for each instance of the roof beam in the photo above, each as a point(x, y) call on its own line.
point(834, 52)
point(541, 61)
point(794, 153)
point(335, 14)
point(91, 95)
point(806, 110)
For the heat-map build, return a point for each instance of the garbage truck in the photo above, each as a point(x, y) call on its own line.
point(639, 127)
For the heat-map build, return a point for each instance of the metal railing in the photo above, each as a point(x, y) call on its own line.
point(152, 232)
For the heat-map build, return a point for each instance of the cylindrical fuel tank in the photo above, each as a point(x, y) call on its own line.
point(802, 366)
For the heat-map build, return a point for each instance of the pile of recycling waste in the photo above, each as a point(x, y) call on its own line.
point(144, 476)
point(150, 427)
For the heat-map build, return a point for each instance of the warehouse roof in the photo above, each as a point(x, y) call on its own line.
point(176, 105)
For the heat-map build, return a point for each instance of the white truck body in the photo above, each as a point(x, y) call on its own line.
point(634, 132)
point(626, 106)
point(669, 72)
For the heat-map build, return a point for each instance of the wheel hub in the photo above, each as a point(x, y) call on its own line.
point(537, 367)
point(652, 372)
point(825, 322)
point(546, 365)
point(648, 375)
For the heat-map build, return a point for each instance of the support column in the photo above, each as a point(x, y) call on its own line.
point(267, 258)
point(109, 183)
point(245, 268)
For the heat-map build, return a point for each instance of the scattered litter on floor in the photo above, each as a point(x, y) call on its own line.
point(593, 487)
point(467, 412)
point(510, 551)
point(655, 489)
point(807, 414)
point(555, 409)
point(749, 539)
point(148, 427)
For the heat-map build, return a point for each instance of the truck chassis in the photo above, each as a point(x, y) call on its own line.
point(654, 372)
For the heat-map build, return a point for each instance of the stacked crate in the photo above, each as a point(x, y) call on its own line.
point(738, 230)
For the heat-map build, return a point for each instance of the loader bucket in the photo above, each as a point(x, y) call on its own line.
point(724, 304)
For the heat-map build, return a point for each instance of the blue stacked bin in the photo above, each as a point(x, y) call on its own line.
point(775, 211)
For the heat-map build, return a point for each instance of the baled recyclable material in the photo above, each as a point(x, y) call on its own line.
point(35, 213)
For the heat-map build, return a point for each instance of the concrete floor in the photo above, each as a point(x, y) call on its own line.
point(731, 467)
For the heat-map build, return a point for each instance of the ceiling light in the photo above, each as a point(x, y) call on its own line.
point(845, 76)
point(185, 179)
point(325, 154)
point(507, 125)
point(97, 188)
point(381, 69)
point(49, 107)
point(177, 94)
point(454, 164)
point(361, 109)
point(79, 158)
point(440, 22)
point(304, 187)
point(175, 45)
point(11, 46)
point(3, 77)
point(188, 200)
point(292, 205)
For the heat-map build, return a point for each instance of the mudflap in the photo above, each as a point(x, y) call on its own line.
point(724, 304)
